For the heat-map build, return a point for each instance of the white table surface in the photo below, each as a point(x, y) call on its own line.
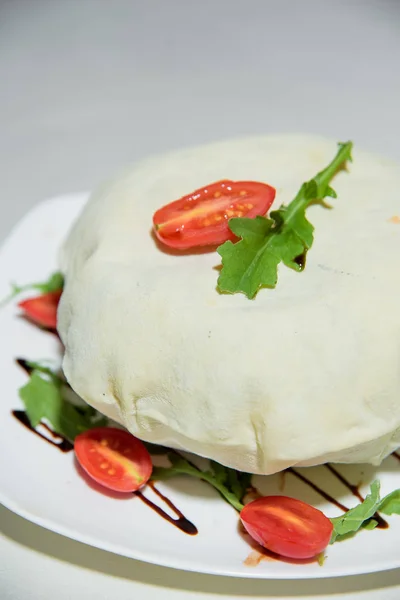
point(87, 86)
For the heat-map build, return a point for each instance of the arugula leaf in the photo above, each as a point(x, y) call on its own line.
point(239, 482)
point(285, 236)
point(53, 284)
point(43, 399)
point(390, 504)
point(361, 515)
point(219, 477)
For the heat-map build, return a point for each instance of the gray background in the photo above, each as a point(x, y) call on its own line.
point(88, 86)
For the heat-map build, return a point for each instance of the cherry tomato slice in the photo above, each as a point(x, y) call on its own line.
point(201, 218)
point(114, 458)
point(42, 310)
point(287, 526)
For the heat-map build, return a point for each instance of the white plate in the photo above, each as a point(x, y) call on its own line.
point(43, 485)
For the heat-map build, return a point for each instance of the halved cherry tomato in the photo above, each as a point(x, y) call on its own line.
point(201, 218)
point(287, 526)
point(42, 310)
point(114, 458)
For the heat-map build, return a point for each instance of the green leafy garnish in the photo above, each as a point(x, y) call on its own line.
point(231, 484)
point(43, 398)
point(390, 504)
point(53, 284)
point(353, 519)
point(285, 236)
point(362, 514)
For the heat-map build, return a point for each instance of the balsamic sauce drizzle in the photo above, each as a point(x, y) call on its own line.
point(181, 522)
point(24, 365)
point(319, 490)
point(353, 488)
point(63, 444)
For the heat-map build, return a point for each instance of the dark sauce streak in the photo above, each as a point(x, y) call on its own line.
point(396, 455)
point(353, 488)
point(24, 365)
point(181, 522)
point(382, 524)
point(320, 491)
point(63, 445)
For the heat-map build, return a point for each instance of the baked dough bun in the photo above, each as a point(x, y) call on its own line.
point(306, 373)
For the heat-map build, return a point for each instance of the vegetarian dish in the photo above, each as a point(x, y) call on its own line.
point(252, 321)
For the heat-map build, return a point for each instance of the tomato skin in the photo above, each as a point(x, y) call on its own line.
point(42, 310)
point(287, 526)
point(114, 458)
point(201, 218)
